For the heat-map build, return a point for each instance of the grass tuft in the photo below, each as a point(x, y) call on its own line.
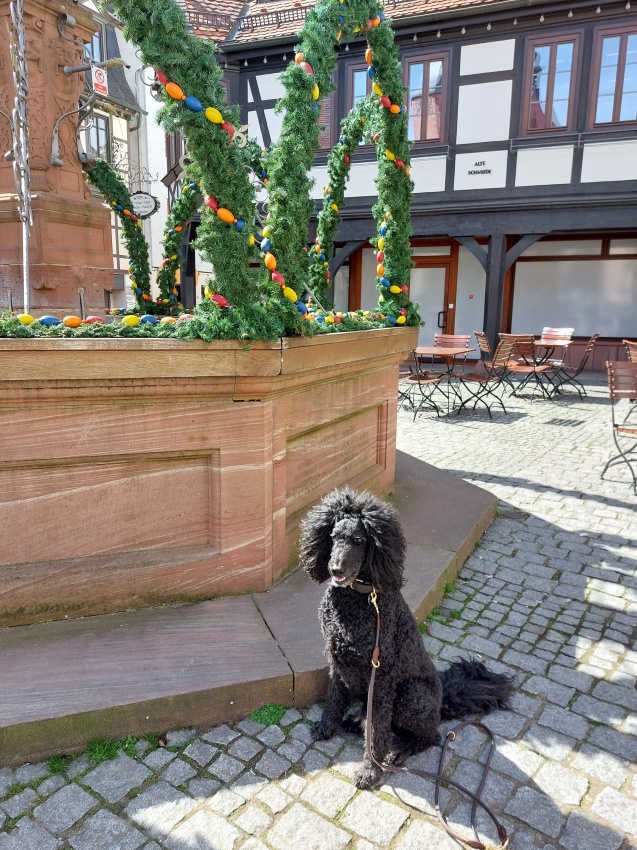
point(268, 714)
point(102, 749)
point(58, 764)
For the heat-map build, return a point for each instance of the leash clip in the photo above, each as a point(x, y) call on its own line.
point(373, 596)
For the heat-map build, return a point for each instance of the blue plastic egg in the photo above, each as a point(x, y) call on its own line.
point(381, 15)
point(193, 103)
point(239, 224)
point(265, 245)
point(301, 307)
point(341, 19)
point(149, 320)
point(48, 321)
point(322, 257)
point(403, 109)
point(193, 185)
point(320, 319)
point(391, 320)
point(385, 281)
point(371, 72)
point(119, 207)
point(383, 229)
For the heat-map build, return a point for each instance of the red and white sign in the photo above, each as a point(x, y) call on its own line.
point(100, 80)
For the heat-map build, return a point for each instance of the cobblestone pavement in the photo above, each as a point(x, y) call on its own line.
point(550, 596)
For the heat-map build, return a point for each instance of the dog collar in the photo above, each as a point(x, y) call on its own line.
point(361, 587)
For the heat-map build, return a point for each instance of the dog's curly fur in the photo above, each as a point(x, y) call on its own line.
point(353, 536)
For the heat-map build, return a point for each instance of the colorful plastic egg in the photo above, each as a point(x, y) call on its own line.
point(131, 321)
point(401, 320)
point(290, 293)
point(91, 320)
point(298, 58)
point(25, 318)
point(265, 245)
point(377, 89)
point(49, 321)
point(404, 288)
point(193, 103)
point(167, 320)
point(163, 79)
point(383, 230)
point(239, 224)
point(381, 243)
point(371, 72)
point(385, 281)
point(380, 270)
point(368, 56)
point(277, 277)
point(212, 203)
point(225, 215)
point(301, 307)
point(251, 239)
point(227, 126)
point(149, 319)
point(307, 68)
point(395, 289)
point(184, 316)
point(270, 262)
point(266, 231)
point(213, 115)
point(320, 319)
point(175, 91)
point(329, 320)
point(315, 92)
point(380, 256)
point(220, 300)
point(394, 108)
point(73, 321)
point(391, 320)
point(399, 163)
point(390, 156)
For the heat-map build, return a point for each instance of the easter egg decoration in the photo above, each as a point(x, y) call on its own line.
point(225, 215)
point(49, 321)
point(131, 321)
point(265, 245)
point(401, 320)
point(213, 115)
point(174, 91)
point(220, 300)
point(270, 262)
point(277, 277)
point(288, 292)
point(307, 68)
point(163, 79)
point(148, 319)
point(92, 320)
point(315, 92)
point(212, 203)
point(25, 318)
point(167, 320)
point(72, 321)
point(193, 103)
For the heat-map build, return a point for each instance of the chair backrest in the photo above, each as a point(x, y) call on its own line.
point(483, 342)
point(622, 379)
point(524, 345)
point(557, 333)
point(631, 349)
point(452, 340)
point(590, 345)
point(503, 353)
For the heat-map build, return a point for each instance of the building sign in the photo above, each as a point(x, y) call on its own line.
point(481, 170)
point(144, 205)
point(479, 167)
point(100, 80)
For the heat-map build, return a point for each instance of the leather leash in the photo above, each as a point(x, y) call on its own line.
point(438, 777)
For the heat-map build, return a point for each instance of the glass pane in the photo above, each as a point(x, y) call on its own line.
point(539, 81)
point(434, 100)
point(360, 86)
point(559, 116)
point(628, 111)
point(607, 79)
point(610, 51)
point(604, 112)
point(416, 74)
point(564, 58)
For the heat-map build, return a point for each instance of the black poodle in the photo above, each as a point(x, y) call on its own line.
point(356, 541)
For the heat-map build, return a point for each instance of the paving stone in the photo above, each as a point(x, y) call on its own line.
point(601, 765)
point(328, 794)
point(582, 832)
point(250, 727)
point(313, 762)
point(254, 820)
point(160, 808)
point(292, 750)
point(293, 784)
point(28, 772)
point(331, 746)
point(203, 831)
point(64, 808)
point(516, 761)
point(245, 748)
point(564, 721)
point(537, 810)
point(572, 678)
point(226, 768)
point(158, 758)
point(203, 789)
point(225, 802)
point(616, 695)
point(290, 716)
point(302, 732)
point(482, 646)
point(29, 835)
point(272, 765)
point(373, 818)
point(253, 844)
point(115, 778)
point(508, 724)
point(554, 692)
point(314, 713)
point(201, 752)
point(105, 831)
point(274, 798)
point(179, 737)
point(548, 743)
point(600, 712)
point(530, 663)
point(19, 803)
point(620, 811)
point(178, 772)
point(51, 785)
point(299, 827)
point(561, 784)
point(622, 745)
point(271, 736)
point(220, 735)
point(6, 779)
point(248, 785)
point(423, 834)
point(79, 765)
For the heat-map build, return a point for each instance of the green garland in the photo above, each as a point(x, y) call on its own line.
point(114, 190)
point(180, 214)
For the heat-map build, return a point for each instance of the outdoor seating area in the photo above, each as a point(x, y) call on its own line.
point(442, 378)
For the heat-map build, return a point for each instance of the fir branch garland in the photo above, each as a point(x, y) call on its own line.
point(182, 211)
point(115, 191)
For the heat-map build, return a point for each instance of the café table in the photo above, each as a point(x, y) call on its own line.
point(449, 355)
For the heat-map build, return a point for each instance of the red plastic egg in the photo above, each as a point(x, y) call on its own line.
point(91, 320)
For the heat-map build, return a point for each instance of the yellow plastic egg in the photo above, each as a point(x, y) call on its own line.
point(266, 231)
point(25, 318)
point(251, 239)
point(167, 320)
point(72, 321)
point(329, 320)
point(213, 115)
point(315, 92)
point(225, 215)
point(131, 321)
point(391, 156)
point(299, 57)
point(381, 243)
point(377, 89)
point(401, 320)
point(175, 91)
point(335, 207)
point(290, 293)
point(395, 289)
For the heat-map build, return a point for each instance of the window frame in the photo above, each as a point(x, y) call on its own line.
point(415, 58)
point(623, 30)
point(100, 37)
point(552, 39)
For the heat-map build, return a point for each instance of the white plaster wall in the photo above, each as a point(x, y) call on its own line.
point(270, 86)
point(487, 57)
point(274, 122)
point(609, 161)
point(254, 129)
point(544, 166)
point(490, 168)
point(589, 295)
point(429, 173)
point(484, 112)
point(471, 282)
point(361, 181)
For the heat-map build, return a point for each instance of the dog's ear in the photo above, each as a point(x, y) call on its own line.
point(385, 556)
point(316, 533)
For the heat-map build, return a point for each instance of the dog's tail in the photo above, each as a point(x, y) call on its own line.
point(468, 687)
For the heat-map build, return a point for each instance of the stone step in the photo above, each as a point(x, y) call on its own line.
point(67, 682)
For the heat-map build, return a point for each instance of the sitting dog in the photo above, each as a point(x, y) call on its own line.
point(356, 541)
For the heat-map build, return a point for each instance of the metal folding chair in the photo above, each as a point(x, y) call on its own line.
point(526, 365)
point(622, 386)
point(416, 387)
point(482, 386)
point(567, 375)
point(552, 337)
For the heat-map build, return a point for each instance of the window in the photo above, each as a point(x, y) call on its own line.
point(615, 77)
point(94, 51)
point(98, 137)
point(550, 83)
point(427, 83)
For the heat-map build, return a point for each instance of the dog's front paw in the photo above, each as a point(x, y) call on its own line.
point(368, 776)
point(322, 731)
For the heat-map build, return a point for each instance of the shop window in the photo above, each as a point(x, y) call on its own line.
point(614, 89)
point(549, 83)
point(427, 79)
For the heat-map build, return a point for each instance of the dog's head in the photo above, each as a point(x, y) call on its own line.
point(350, 536)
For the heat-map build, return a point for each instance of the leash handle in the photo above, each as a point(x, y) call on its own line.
point(438, 777)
